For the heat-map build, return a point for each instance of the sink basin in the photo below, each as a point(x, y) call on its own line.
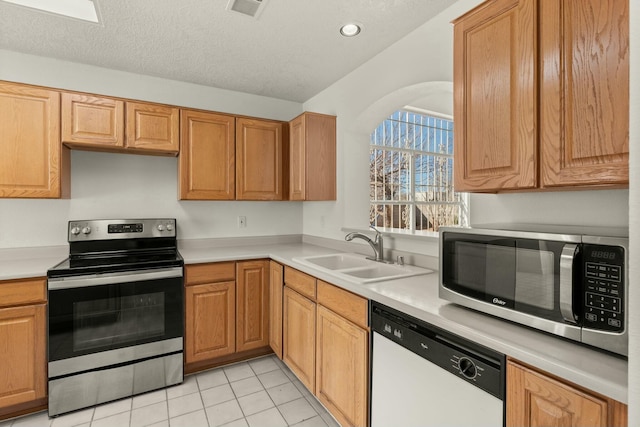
point(357, 268)
point(338, 261)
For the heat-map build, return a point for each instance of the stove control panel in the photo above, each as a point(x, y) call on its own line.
point(90, 230)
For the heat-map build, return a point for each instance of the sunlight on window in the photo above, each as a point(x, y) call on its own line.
point(411, 174)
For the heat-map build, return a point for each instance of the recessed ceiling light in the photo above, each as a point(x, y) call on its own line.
point(350, 30)
point(79, 9)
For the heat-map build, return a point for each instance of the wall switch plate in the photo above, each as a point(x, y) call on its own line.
point(242, 221)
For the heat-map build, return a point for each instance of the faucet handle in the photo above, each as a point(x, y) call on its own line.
point(378, 234)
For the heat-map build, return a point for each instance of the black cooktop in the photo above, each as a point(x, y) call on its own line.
point(116, 262)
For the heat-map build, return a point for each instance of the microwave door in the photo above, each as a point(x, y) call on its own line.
point(535, 277)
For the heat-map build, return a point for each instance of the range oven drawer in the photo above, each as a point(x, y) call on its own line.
point(98, 386)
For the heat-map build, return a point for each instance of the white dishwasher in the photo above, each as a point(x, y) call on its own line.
point(423, 376)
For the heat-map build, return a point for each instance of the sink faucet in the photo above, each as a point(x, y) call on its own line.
point(376, 244)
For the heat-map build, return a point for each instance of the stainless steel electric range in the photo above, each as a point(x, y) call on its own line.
point(115, 313)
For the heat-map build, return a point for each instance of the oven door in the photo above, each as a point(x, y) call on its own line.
point(121, 316)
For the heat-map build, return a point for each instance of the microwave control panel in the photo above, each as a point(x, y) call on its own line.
point(604, 293)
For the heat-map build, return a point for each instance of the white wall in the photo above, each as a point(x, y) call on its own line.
point(401, 74)
point(634, 217)
point(107, 185)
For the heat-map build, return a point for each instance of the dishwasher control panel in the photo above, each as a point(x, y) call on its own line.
point(467, 360)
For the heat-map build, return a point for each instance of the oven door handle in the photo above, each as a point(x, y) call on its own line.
point(58, 283)
point(567, 258)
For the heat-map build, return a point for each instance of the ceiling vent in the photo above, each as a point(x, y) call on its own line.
point(251, 8)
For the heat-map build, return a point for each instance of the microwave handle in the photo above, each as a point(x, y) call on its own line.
point(567, 258)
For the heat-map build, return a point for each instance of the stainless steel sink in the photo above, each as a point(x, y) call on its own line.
point(357, 268)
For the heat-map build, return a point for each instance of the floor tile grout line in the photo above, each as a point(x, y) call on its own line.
point(204, 408)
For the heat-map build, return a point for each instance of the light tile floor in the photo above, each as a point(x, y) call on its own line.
point(261, 392)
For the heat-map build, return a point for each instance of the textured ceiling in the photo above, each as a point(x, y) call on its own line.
point(293, 51)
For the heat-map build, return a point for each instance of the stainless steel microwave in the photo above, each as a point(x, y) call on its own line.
point(567, 281)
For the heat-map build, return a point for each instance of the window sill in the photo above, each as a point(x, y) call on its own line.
point(396, 233)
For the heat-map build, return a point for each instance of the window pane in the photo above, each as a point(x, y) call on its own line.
point(389, 175)
point(411, 174)
point(390, 216)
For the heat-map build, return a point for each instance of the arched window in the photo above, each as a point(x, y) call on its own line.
point(411, 174)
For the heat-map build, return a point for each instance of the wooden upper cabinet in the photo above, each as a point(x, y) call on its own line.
point(109, 124)
point(152, 127)
point(495, 99)
point(259, 159)
point(33, 164)
point(207, 156)
point(584, 92)
point(92, 121)
point(541, 95)
point(252, 304)
point(312, 157)
point(536, 399)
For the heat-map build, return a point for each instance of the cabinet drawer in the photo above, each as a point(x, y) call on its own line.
point(301, 282)
point(210, 273)
point(350, 306)
point(21, 292)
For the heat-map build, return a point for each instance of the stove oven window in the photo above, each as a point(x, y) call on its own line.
point(112, 321)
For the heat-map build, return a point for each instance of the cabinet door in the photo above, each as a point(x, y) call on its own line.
point(207, 156)
point(312, 157)
point(153, 128)
point(584, 92)
point(33, 163)
point(495, 97)
point(259, 166)
point(297, 162)
point(210, 321)
point(299, 336)
point(252, 309)
point(23, 354)
point(276, 283)
point(91, 121)
point(342, 368)
point(533, 400)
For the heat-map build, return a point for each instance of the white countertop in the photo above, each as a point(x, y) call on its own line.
point(416, 296)
point(22, 263)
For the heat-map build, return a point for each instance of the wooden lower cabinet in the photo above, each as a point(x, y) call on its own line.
point(276, 284)
point(326, 344)
point(210, 327)
point(23, 344)
point(252, 304)
point(342, 368)
point(22, 332)
point(227, 312)
point(536, 399)
point(299, 336)
point(210, 311)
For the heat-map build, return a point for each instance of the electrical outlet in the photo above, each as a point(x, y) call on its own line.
point(242, 221)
